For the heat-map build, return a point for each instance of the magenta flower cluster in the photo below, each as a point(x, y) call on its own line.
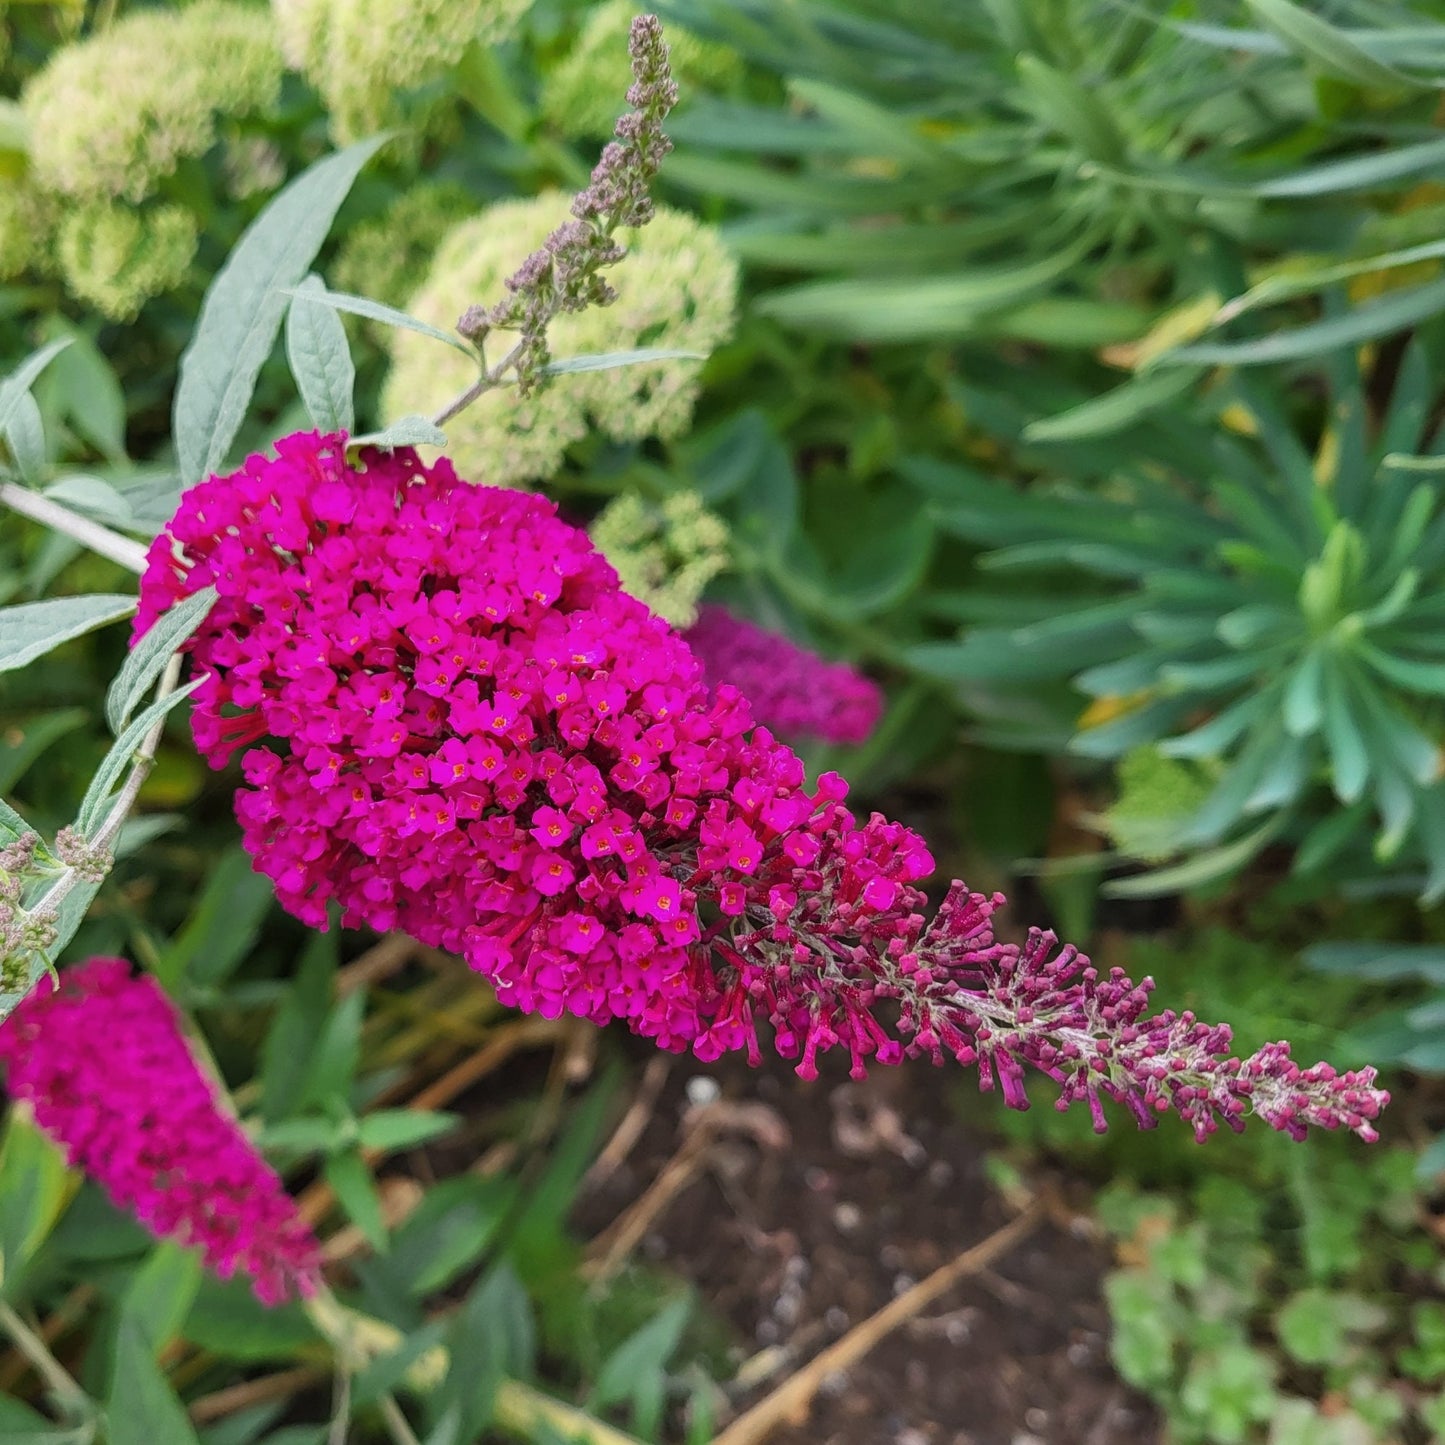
point(460, 727)
point(794, 691)
point(102, 1061)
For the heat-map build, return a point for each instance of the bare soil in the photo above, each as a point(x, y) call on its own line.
point(804, 1208)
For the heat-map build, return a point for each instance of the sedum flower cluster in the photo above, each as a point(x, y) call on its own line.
point(576, 96)
point(666, 553)
point(676, 289)
point(455, 723)
point(112, 116)
point(360, 54)
point(101, 1060)
point(792, 690)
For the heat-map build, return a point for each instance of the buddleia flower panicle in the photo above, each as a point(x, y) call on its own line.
point(577, 93)
point(794, 691)
point(362, 54)
point(664, 553)
point(113, 114)
point(454, 723)
point(677, 289)
point(102, 1061)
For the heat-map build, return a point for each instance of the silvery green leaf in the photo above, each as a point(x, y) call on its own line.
point(320, 358)
point(18, 383)
point(406, 431)
point(148, 658)
point(92, 497)
point(33, 628)
point(12, 825)
point(608, 360)
point(244, 306)
point(119, 758)
point(387, 315)
point(25, 436)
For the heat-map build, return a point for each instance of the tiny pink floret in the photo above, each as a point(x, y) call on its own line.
point(456, 724)
point(104, 1064)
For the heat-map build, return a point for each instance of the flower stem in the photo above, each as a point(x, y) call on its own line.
point(129, 553)
point(61, 1382)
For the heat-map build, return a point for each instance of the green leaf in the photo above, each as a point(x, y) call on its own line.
point(36, 1187)
point(34, 628)
point(635, 1371)
point(17, 384)
point(228, 1320)
point(286, 1055)
point(320, 359)
point(334, 1061)
point(87, 392)
point(1072, 111)
point(1115, 410)
point(388, 1129)
point(142, 1408)
point(244, 306)
point(160, 1293)
point(26, 741)
point(119, 758)
point(610, 360)
point(1206, 867)
point(910, 309)
point(92, 497)
point(319, 295)
point(355, 1189)
point(1392, 313)
point(1330, 48)
point(222, 927)
point(147, 659)
point(309, 1135)
point(406, 431)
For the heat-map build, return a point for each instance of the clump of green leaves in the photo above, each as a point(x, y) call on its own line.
point(1308, 1313)
point(1265, 605)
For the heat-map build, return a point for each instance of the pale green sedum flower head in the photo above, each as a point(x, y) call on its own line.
point(112, 115)
point(665, 555)
point(117, 257)
point(360, 53)
point(579, 96)
point(677, 289)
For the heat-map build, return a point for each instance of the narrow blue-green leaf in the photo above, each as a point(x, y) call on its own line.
point(244, 306)
point(1203, 868)
point(1116, 409)
point(1302, 283)
point(406, 431)
point(609, 360)
point(376, 311)
point(160, 1292)
point(320, 359)
point(148, 658)
point(1392, 313)
point(1329, 47)
point(1358, 173)
point(34, 628)
point(403, 1128)
point(118, 759)
point(18, 383)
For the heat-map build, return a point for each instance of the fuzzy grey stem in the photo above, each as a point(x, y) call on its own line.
point(124, 550)
point(489, 380)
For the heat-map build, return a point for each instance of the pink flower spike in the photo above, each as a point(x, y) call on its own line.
point(104, 1064)
point(626, 844)
point(789, 688)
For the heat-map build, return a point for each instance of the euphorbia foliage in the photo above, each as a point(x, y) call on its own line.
point(456, 724)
